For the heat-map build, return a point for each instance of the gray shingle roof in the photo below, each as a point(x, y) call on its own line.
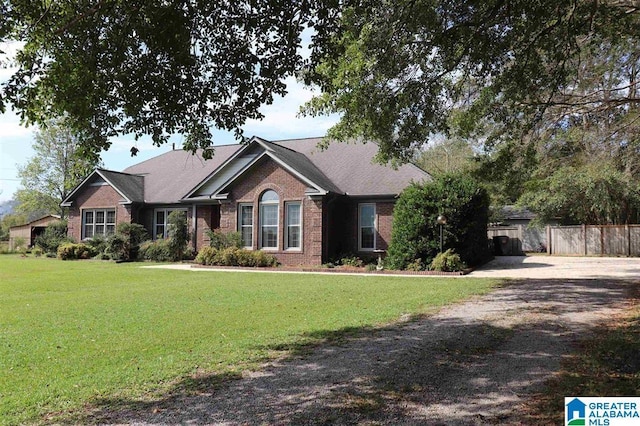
point(304, 166)
point(351, 168)
point(170, 176)
point(131, 186)
point(341, 168)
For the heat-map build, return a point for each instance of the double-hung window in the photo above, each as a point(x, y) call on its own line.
point(367, 227)
point(293, 228)
point(98, 222)
point(245, 224)
point(269, 203)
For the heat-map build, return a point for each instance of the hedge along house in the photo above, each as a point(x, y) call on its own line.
point(290, 198)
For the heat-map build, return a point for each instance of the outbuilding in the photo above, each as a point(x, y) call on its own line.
point(26, 234)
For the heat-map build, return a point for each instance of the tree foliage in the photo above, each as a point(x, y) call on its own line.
point(9, 221)
point(54, 170)
point(416, 234)
point(397, 71)
point(151, 68)
point(447, 156)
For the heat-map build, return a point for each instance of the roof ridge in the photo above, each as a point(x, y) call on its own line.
point(118, 172)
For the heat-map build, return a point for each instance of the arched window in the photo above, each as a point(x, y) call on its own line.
point(269, 202)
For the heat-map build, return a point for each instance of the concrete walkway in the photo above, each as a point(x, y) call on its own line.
point(533, 267)
point(543, 267)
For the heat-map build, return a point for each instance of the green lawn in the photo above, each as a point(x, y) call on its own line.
point(74, 333)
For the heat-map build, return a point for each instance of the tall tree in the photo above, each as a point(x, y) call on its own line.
point(447, 156)
point(394, 70)
point(54, 170)
point(152, 67)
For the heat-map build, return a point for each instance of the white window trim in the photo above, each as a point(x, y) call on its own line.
point(260, 225)
point(241, 225)
point(286, 226)
point(105, 223)
point(375, 227)
point(167, 211)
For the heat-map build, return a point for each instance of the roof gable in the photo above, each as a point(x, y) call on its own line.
point(129, 187)
point(216, 184)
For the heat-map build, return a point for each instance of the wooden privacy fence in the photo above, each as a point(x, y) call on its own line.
point(603, 240)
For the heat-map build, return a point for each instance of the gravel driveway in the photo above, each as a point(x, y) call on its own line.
point(470, 364)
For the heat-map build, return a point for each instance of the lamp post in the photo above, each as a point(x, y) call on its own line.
point(441, 220)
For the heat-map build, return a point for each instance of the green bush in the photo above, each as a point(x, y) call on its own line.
point(233, 256)
point(220, 240)
point(98, 243)
point(125, 243)
point(178, 234)
point(72, 251)
point(156, 251)
point(206, 255)
point(416, 235)
point(415, 265)
point(19, 244)
point(53, 236)
point(264, 259)
point(449, 261)
point(352, 261)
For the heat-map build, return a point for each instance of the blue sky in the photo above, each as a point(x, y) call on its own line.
point(280, 122)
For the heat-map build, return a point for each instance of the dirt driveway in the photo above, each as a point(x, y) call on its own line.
point(470, 364)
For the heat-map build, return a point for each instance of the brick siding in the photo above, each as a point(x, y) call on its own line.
point(96, 197)
point(268, 175)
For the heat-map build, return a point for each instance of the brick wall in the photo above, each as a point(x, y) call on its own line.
point(384, 223)
point(266, 175)
point(96, 197)
point(384, 211)
point(207, 218)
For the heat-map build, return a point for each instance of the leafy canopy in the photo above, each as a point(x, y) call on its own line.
point(400, 72)
point(54, 170)
point(394, 70)
point(150, 67)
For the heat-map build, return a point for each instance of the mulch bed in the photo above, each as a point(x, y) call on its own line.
point(340, 269)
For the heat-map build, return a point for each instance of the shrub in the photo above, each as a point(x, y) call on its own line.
point(37, 252)
point(449, 261)
point(98, 243)
point(352, 261)
point(178, 234)
point(264, 259)
point(206, 256)
point(72, 251)
point(220, 240)
point(233, 256)
point(53, 236)
point(157, 251)
point(415, 265)
point(19, 244)
point(416, 235)
point(125, 243)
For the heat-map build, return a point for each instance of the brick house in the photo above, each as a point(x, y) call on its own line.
point(303, 204)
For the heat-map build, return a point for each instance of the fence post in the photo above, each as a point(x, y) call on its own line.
point(584, 234)
point(548, 239)
point(627, 235)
